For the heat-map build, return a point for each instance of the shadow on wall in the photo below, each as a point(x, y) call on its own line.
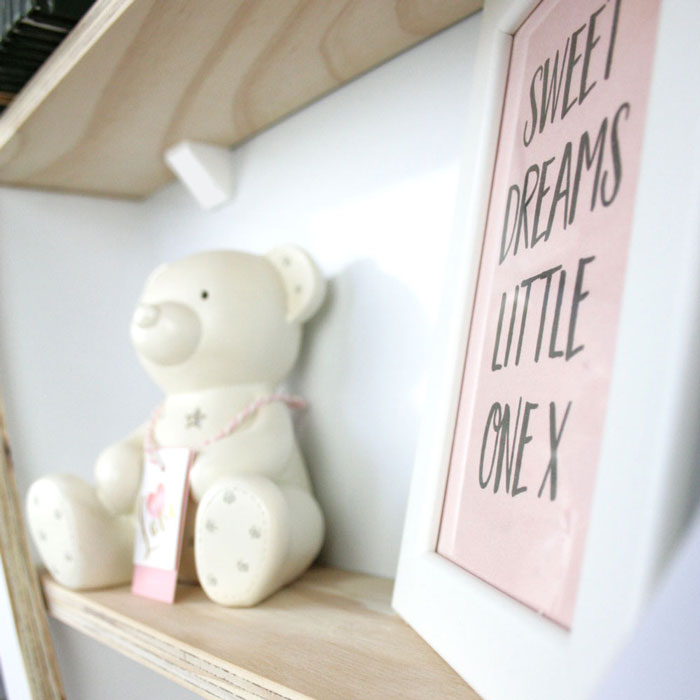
point(361, 369)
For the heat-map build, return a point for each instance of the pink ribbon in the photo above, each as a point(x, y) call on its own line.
point(151, 446)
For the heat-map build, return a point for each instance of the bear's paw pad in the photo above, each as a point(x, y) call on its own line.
point(49, 516)
point(235, 546)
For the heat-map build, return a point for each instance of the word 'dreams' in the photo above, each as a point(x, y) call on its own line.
point(521, 223)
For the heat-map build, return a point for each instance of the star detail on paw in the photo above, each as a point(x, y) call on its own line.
point(194, 419)
point(242, 566)
point(254, 532)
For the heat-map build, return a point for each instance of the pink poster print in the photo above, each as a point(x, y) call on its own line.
point(542, 339)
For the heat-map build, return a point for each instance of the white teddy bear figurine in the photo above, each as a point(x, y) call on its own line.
point(217, 332)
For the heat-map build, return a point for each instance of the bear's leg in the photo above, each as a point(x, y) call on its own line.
point(252, 537)
point(79, 542)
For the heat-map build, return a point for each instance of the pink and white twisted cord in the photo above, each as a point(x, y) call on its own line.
point(251, 409)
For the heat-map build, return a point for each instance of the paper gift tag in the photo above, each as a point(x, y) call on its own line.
point(161, 511)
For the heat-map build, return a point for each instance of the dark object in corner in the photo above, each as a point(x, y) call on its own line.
point(29, 32)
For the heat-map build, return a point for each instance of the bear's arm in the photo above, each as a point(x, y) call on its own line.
point(118, 473)
point(263, 447)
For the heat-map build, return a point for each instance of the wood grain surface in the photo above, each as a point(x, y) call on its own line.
point(23, 586)
point(137, 76)
point(330, 636)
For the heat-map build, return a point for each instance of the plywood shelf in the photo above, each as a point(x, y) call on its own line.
point(137, 76)
point(331, 635)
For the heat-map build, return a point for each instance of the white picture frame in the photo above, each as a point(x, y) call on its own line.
point(646, 483)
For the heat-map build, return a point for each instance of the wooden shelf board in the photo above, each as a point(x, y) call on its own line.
point(331, 635)
point(136, 76)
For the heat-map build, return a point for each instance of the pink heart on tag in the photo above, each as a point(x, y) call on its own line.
point(155, 501)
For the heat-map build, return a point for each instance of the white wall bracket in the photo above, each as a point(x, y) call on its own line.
point(204, 169)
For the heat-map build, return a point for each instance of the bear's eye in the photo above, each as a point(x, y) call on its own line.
point(205, 294)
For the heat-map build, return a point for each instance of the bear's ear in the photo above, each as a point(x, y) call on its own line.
point(302, 280)
point(155, 273)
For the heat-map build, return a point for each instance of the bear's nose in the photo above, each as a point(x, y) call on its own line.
point(146, 315)
point(166, 333)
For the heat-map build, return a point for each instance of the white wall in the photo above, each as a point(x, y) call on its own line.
point(365, 179)
point(660, 659)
